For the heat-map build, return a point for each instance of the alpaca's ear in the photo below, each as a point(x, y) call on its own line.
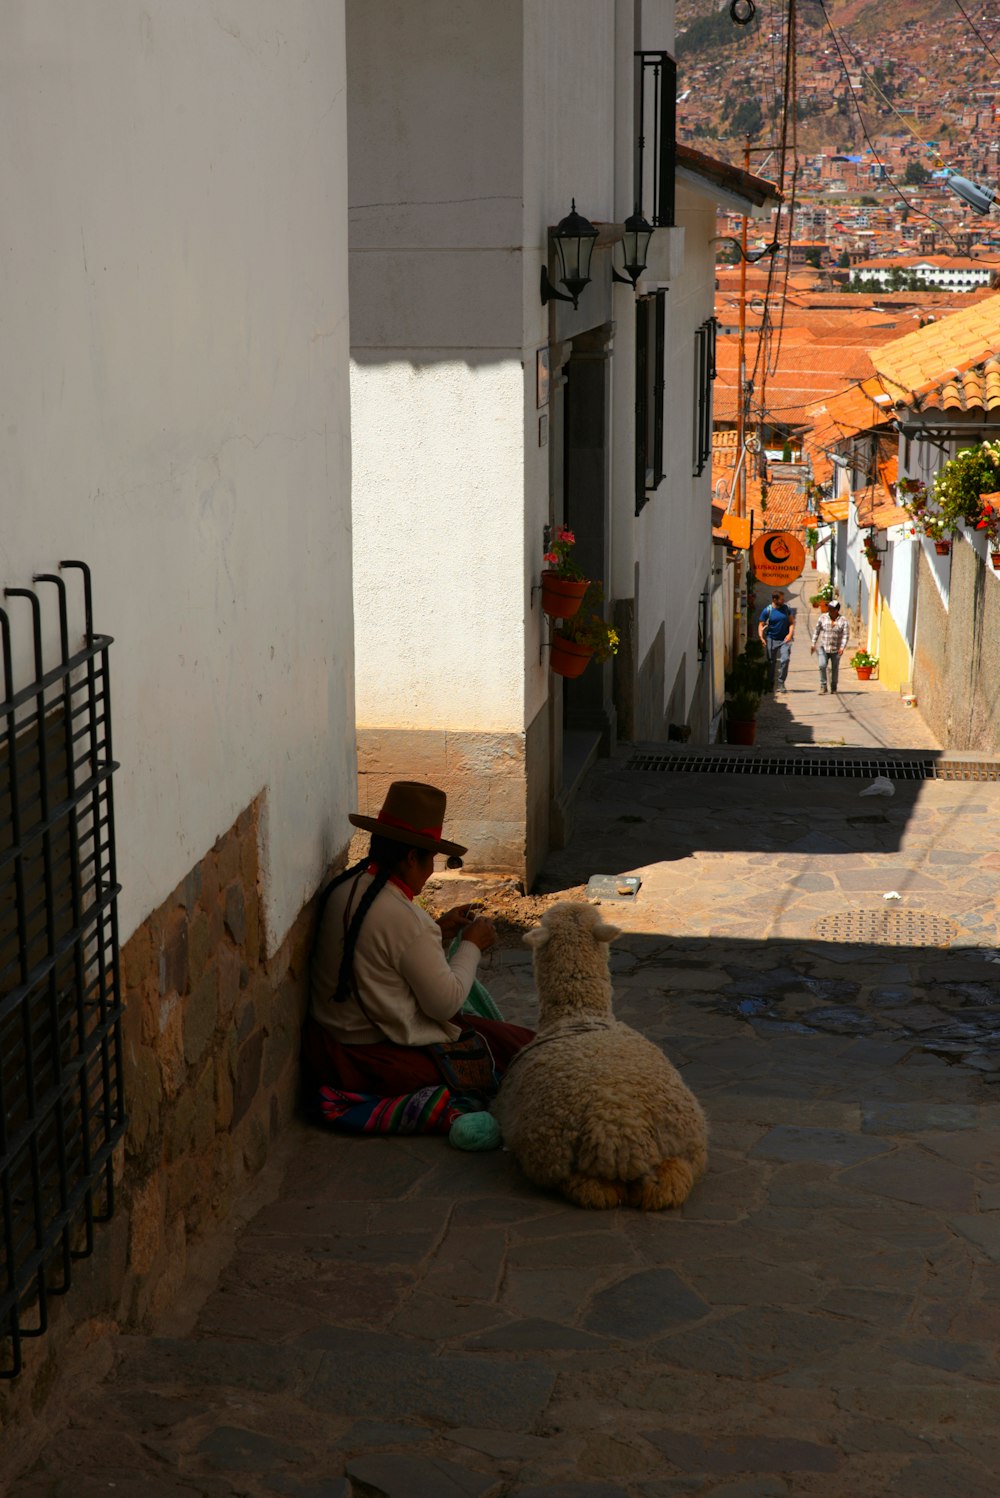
point(603, 931)
point(536, 938)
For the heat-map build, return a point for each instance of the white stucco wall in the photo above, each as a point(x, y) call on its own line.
point(438, 543)
point(438, 385)
point(674, 529)
point(173, 376)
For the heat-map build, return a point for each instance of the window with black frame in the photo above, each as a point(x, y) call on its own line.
point(650, 360)
point(704, 374)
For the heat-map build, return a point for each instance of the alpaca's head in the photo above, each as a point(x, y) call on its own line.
point(570, 950)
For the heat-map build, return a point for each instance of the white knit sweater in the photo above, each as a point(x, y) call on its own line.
point(408, 988)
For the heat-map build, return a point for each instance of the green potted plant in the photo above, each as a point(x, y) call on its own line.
point(821, 598)
point(746, 681)
point(863, 663)
point(583, 637)
point(937, 528)
point(961, 482)
point(812, 541)
point(563, 584)
point(741, 716)
point(872, 555)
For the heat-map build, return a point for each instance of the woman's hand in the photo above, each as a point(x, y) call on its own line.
point(482, 933)
point(455, 920)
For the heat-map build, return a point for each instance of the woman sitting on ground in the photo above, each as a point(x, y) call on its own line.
point(382, 985)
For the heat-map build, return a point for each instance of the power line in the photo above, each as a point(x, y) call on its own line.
point(887, 175)
point(977, 30)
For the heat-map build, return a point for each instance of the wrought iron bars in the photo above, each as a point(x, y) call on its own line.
point(61, 1097)
point(655, 135)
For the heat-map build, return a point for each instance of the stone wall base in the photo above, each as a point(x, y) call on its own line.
point(483, 775)
point(210, 1051)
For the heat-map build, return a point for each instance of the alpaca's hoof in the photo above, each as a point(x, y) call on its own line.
point(588, 1191)
point(667, 1186)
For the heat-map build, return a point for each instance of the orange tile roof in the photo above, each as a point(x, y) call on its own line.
point(834, 509)
point(786, 506)
point(854, 409)
point(884, 516)
point(932, 361)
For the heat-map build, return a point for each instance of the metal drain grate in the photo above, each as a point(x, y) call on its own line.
point(852, 766)
point(888, 928)
point(786, 764)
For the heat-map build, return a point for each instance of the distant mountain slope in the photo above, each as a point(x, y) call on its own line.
point(918, 57)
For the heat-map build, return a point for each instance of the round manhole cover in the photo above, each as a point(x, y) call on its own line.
point(888, 928)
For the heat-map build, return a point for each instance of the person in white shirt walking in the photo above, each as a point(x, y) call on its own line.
point(830, 639)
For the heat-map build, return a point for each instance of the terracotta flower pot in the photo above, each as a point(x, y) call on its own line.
point(562, 596)
point(995, 559)
point(942, 548)
point(824, 607)
point(743, 731)
point(568, 658)
point(864, 672)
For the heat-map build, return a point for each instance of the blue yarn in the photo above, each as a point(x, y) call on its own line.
point(475, 1131)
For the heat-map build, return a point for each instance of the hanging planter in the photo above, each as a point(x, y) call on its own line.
point(585, 637)
point(995, 559)
point(568, 657)
point(562, 596)
point(942, 548)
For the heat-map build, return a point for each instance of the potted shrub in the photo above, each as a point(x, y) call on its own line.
point(563, 584)
point(863, 663)
point(741, 716)
point(745, 685)
point(937, 529)
point(821, 598)
point(960, 484)
point(583, 637)
point(812, 541)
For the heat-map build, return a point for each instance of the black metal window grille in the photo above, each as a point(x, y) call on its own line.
point(655, 136)
point(650, 367)
point(704, 374)
point(61, 1098)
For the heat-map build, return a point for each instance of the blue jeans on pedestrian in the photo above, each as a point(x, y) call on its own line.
point(779, 653)
point(834, 659)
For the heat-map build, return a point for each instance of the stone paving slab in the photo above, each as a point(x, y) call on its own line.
point(820, 1320)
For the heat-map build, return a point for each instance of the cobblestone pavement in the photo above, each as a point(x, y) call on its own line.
point(821, 1318)
point(862, 714)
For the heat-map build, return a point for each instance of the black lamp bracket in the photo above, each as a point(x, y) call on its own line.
point(549, 292)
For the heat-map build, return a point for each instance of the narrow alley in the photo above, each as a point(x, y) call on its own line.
point(821, 1318)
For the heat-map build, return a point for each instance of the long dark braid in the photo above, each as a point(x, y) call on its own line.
point(387, 855)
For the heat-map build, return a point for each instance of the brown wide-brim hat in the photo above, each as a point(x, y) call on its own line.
point(412, 813)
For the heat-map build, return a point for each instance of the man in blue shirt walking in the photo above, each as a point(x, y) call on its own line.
point(776, 630)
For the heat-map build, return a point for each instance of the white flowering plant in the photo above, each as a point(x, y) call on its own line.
point(960, 484)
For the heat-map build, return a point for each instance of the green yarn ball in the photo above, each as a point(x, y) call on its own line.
point(475, 1131)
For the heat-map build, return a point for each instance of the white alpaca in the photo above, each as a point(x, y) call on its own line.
point(591, 1107)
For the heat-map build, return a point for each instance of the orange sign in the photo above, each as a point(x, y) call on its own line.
point(738, 530)
point(777, 558)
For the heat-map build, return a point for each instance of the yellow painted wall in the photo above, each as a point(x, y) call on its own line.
point(894, 665)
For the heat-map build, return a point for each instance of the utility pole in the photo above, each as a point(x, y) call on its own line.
point(740, 593)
